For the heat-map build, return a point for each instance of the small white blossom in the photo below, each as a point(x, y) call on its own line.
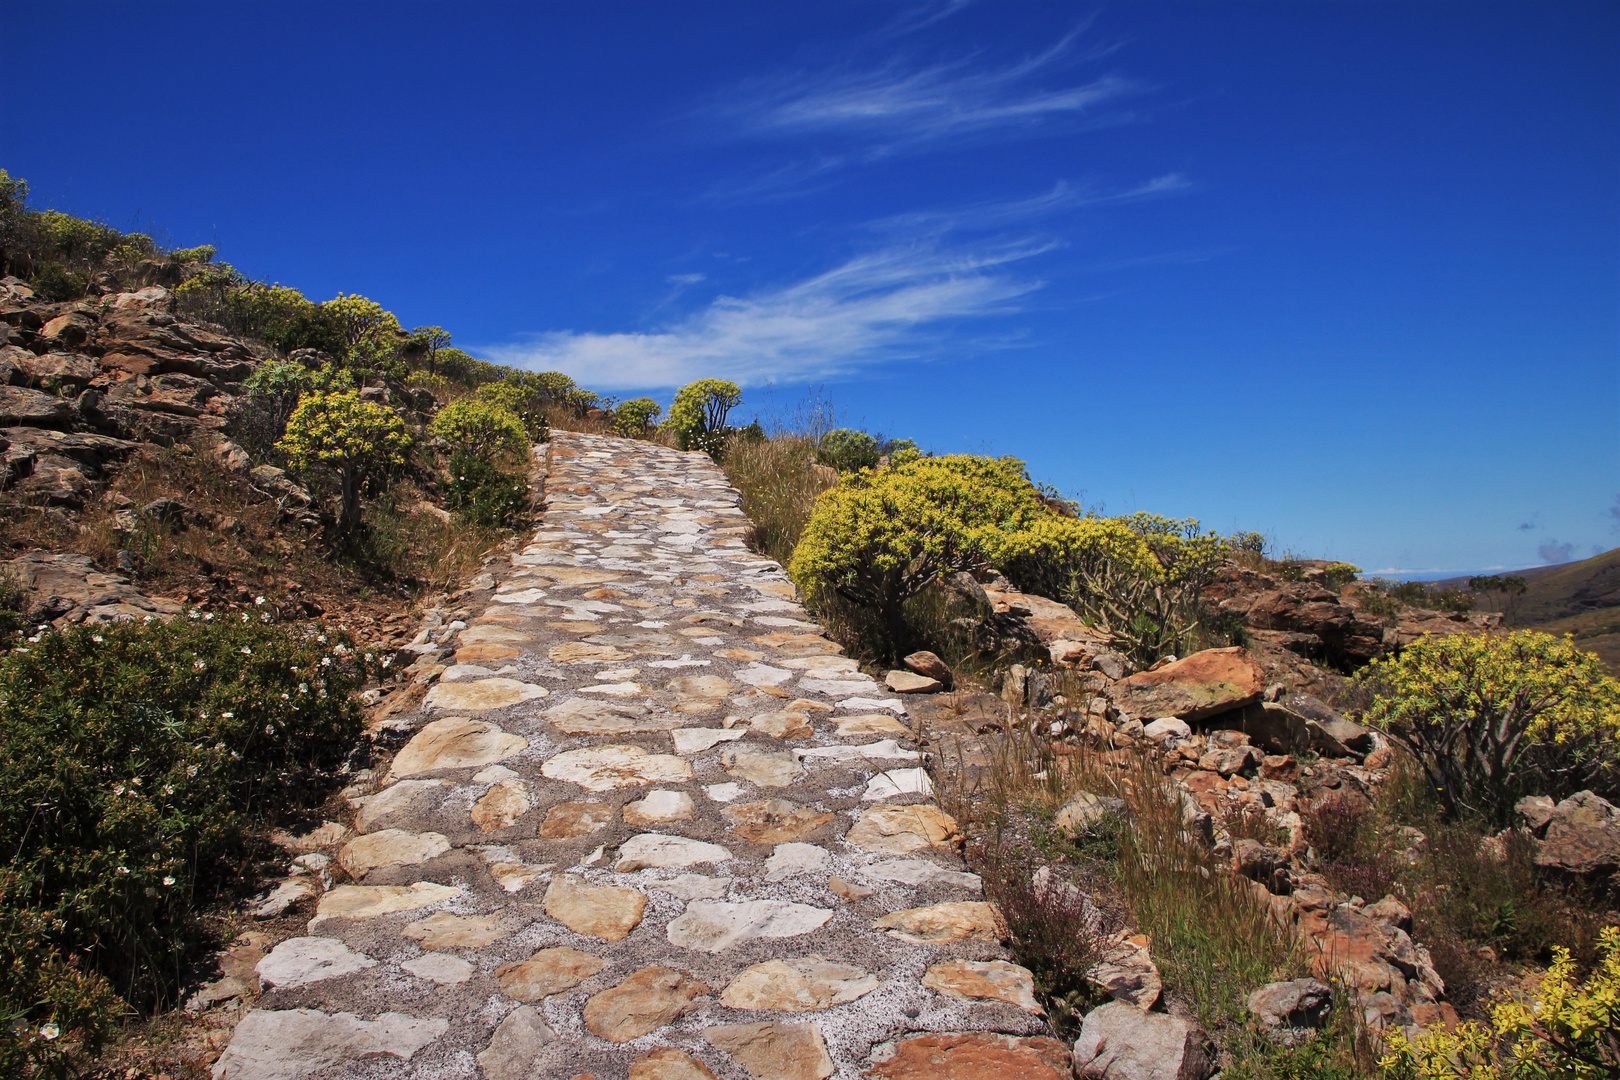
point(228, 715)
point(246, 651)
point(97, 638)
point(123, 869)
point(259, 600)
point(167, 880)
point(49, 1031)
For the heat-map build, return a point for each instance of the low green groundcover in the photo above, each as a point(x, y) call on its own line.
point(136, 760)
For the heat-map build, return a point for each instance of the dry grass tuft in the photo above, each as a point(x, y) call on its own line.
point(779, 480)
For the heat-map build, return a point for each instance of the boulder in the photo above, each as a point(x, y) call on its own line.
point(68, 330)
point(1267, 865)
point(1298, 1003)
point(1582, 837)
point(1166, 727)
point(1203, 685)
point(1084, 810)
point(929, 665)
point(909, 682)
point(1118, 1041)
point(21, 407)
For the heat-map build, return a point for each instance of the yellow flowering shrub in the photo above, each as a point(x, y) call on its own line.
point(356, 439)
point(698, 414)
point(1565, 1029)
point(481, 427)
point(1488, 716)
point(880, 536)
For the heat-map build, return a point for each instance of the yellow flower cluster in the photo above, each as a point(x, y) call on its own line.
point(1565, 1029)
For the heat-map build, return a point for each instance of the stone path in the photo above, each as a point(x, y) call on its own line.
point(650, 824)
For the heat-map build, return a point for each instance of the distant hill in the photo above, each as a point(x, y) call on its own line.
point(1580, 598)
point(1565, 590)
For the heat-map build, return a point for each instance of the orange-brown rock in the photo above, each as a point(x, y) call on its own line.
point(975, 1055)
point(1204, 684)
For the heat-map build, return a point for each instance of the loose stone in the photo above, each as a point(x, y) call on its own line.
point(782, 725)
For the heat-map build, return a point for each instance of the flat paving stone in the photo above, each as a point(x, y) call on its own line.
point(651, 822)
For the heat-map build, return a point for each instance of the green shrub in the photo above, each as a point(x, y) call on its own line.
point(698, 416)
point(135, 759)
point(202, 254)
point(847, 450)
point(356, 439)
point(518, 396)
point(1340, 574)
point(279, 385)
point(880, 537)
point(55, 283)
point(481, 427)
point(484, 493)
point(1137, 578)
point(634, 418)
point(1489, 718)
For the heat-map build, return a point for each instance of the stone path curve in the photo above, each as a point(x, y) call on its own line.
point(650, 824)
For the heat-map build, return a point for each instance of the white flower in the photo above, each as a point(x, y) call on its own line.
point(198, 664)
point(49, 1031)
point(97, 638)
point(244, 616)
point(191, 770)
point(168, 880)
point(168, 789)
point(326, 661)
point(268, 730)
point(118, 789)
point(321, 638)
point(123, 869)
point(303, 688)
point(286, 697)
point(265, 617)
point(208, 617)
point(149, 618)
point(246, 651)
point(228, 716)
point(260, 600)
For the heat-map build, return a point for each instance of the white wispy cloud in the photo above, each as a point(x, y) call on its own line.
point(896, 104)
point(885, 305)
point(1003, 214)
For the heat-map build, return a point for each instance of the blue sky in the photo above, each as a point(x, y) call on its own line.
point(1344, 273)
